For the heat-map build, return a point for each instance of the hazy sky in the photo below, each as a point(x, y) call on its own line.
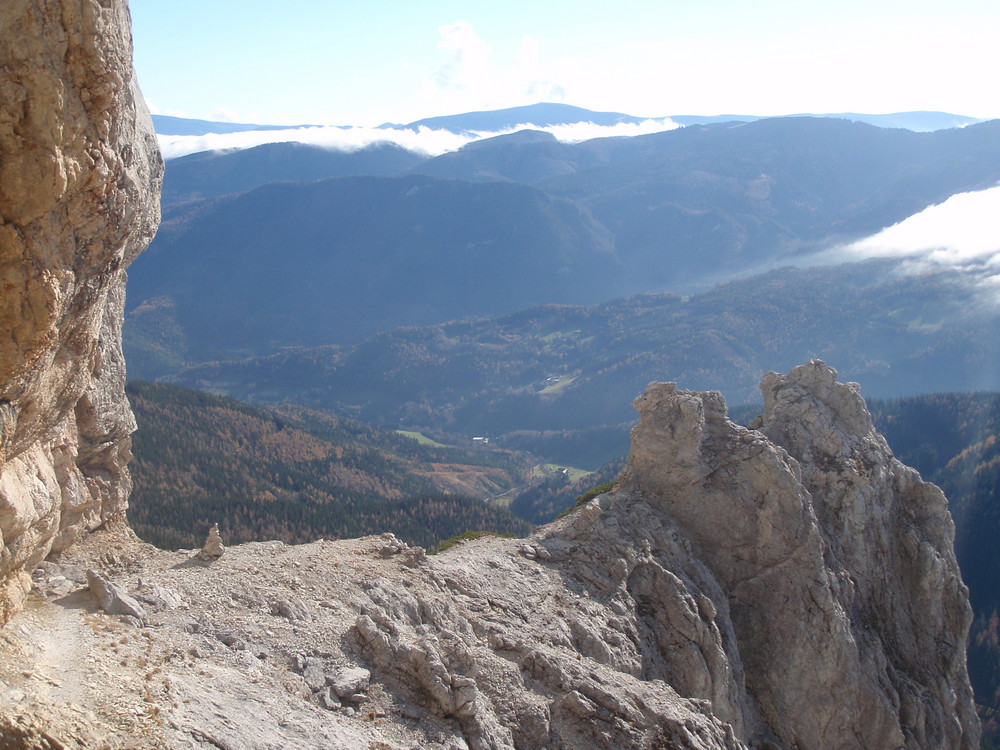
point(330, 62)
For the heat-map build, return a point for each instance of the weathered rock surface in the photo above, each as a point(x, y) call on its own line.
point(79, 186)
point(835, 561)
point(788, 587)
point(112, 598)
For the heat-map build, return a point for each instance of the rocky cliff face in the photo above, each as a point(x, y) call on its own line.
point(793, 586)
point(79, 185)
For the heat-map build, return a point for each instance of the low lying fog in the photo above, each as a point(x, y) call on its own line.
point(424, 140)
point(962, 233)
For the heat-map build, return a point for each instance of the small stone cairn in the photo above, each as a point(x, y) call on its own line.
point(214, 547)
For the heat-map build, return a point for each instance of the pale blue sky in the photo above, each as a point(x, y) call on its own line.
point(328, 62)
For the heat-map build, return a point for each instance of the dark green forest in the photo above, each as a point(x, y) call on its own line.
point(296, 475)
point(558, 367)
point(546, 500)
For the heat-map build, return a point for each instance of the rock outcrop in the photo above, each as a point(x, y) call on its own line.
point(835, 561)
point(790, 587)
point(79, 187)
point(787, 587)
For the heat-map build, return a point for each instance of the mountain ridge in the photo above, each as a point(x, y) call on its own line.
point(342, 258)
point(356, 255)
point(209, 174)
point(544, 114)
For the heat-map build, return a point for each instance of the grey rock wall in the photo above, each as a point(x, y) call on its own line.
point(835, 561)
point(788, 587)
point(80, 174)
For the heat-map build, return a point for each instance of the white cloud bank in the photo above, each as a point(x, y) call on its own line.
point(424, 140)
point(961, 234)
point(964, 229)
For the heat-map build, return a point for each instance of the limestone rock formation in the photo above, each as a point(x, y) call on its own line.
point(791, 587)
point(834, 560)
point(788, 588)
point(79, 186)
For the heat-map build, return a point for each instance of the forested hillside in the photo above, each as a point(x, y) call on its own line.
point(292, 474)
point(336, 261)
point(554, 369)
point(709, 201)
point(546, 500)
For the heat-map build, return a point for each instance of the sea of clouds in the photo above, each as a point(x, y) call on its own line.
point(423, 140)
point(960, 234)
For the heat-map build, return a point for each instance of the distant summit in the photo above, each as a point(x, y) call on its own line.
point(918, 122)
point(168, 125)
point(518, 138)
point(540, 115)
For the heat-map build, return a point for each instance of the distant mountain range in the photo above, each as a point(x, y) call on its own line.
point(170, 125)
point(283, 246)
point(919, 122)
point(713, 200)
point(335, 261)
point(208, 173)
point(546, 114)
point(517, 285)
point(539, 115)
point(527, 289)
